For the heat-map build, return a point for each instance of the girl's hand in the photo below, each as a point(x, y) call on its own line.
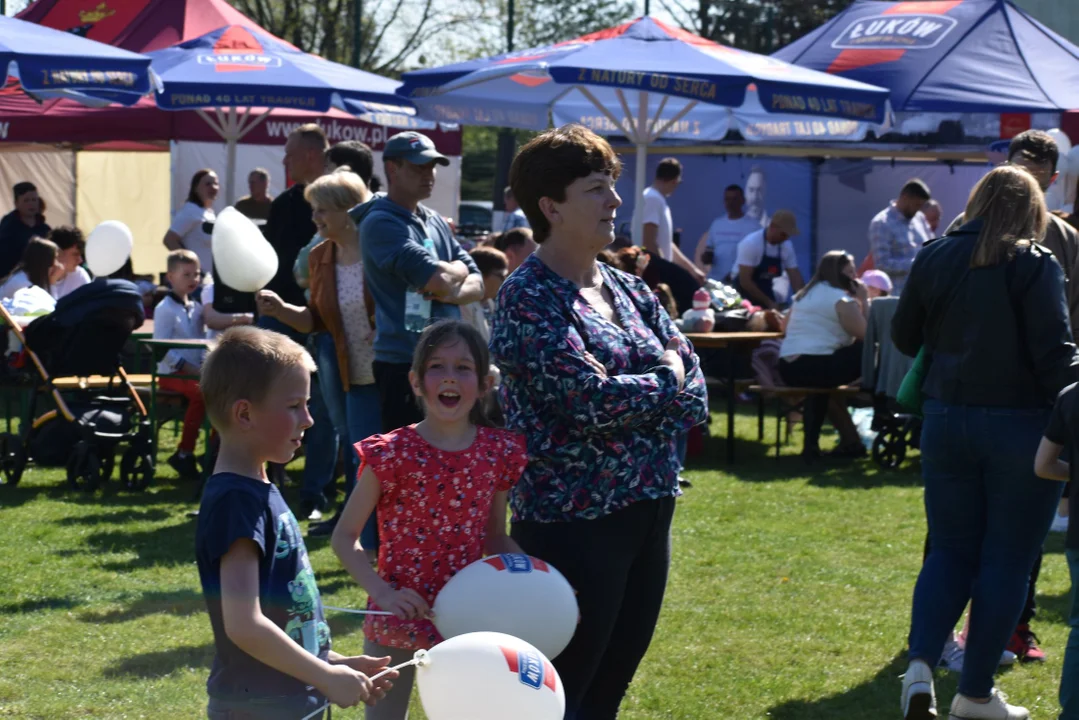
point(405, 604)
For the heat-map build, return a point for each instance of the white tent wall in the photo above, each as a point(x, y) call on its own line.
point(132, 187)
point(190, 157)
point(851, 192)
point(50, 168)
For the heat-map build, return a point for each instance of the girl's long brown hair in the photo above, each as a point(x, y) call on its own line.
point(448, 332)
point(37, 261)
point(1011, 203)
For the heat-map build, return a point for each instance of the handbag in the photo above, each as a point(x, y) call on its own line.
point(910, 396)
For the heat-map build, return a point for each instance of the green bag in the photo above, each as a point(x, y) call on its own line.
point(910, 396)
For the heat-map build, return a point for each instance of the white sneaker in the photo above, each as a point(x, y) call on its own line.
point(1008, 658)
point(315, 515)
point(952, 657)
point(996, 709)
point(1060, 524)
point(918, 701)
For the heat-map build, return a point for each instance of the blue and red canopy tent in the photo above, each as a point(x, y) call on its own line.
point(50, 63)
point(642, 80)
point(970, 56)
point(237, 67)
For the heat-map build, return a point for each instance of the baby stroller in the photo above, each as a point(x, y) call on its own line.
point(83, 337)
point(883, 370)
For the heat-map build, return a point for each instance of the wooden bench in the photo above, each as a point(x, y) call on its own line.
point(786, 393)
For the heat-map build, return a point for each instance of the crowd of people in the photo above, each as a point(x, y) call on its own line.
point(542, 373)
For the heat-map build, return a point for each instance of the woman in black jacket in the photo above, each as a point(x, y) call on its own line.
point(989, 306)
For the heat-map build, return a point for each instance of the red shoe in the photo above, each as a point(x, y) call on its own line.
point(1024, 644)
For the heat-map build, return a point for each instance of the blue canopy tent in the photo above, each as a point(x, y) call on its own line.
point(52, 63)
point(974, 56)
point(644, 80)
point(237, 67)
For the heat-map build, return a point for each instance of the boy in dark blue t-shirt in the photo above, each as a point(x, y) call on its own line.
point(273, 657)
point(1063, 432)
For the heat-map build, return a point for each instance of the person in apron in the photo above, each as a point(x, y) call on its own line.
point(767, 269)
point(764, 275)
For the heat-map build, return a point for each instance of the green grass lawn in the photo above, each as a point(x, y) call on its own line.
point(789, 598)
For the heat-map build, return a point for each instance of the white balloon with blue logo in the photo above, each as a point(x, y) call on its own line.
point(489, 676)
point(517, 595)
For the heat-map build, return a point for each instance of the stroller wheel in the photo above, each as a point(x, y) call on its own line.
point(136, 469)
point(889, 448)
point(12, 459)
point(84, 468)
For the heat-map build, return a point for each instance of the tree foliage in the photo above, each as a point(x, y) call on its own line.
point(761, 26)
point(544, 22)
point(394, 31)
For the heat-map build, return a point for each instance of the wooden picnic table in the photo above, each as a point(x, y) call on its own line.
point(737, 341)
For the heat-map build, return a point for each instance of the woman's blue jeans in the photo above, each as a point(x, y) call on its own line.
point(356, 414)
point(988, 517)
point(1069, 681)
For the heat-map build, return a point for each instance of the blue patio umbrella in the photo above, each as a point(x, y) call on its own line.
point(53, 63)
point(236, 67)
point(644, 80)
point(971, 56)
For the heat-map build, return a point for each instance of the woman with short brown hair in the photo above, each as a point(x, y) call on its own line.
point(600, 381)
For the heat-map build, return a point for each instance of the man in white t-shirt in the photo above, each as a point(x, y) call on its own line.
point(763, 256)
point(718, 246)
point(657, 236)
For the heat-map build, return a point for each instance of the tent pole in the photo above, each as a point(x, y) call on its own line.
point(641, 140)
point(230, 164)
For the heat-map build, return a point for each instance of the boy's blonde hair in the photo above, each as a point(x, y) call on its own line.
point(339, 191)
point(181, 257)
point(243, 365)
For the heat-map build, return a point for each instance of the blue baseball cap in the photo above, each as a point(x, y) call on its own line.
point(414, 147)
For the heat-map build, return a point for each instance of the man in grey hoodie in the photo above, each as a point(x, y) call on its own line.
point(413, 265)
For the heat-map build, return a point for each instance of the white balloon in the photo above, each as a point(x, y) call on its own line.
point(108, 247)
point(513, 594)
point(1073, 161)
point(489, 676)
point(243, 259)
point(1064, 144)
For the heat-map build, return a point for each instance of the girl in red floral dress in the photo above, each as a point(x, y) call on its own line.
point(440, 490)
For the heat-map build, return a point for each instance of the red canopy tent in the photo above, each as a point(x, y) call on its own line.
point(143, 26)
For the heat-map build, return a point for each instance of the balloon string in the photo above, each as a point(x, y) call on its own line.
point(355, 612)
point(420, 659)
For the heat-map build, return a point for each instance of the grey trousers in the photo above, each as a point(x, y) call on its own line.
point(395, 705)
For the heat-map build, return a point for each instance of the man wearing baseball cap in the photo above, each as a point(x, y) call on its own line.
point(763, 256)
point(411, 262)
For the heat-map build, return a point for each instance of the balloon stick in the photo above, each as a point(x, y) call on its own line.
point(357, 612)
